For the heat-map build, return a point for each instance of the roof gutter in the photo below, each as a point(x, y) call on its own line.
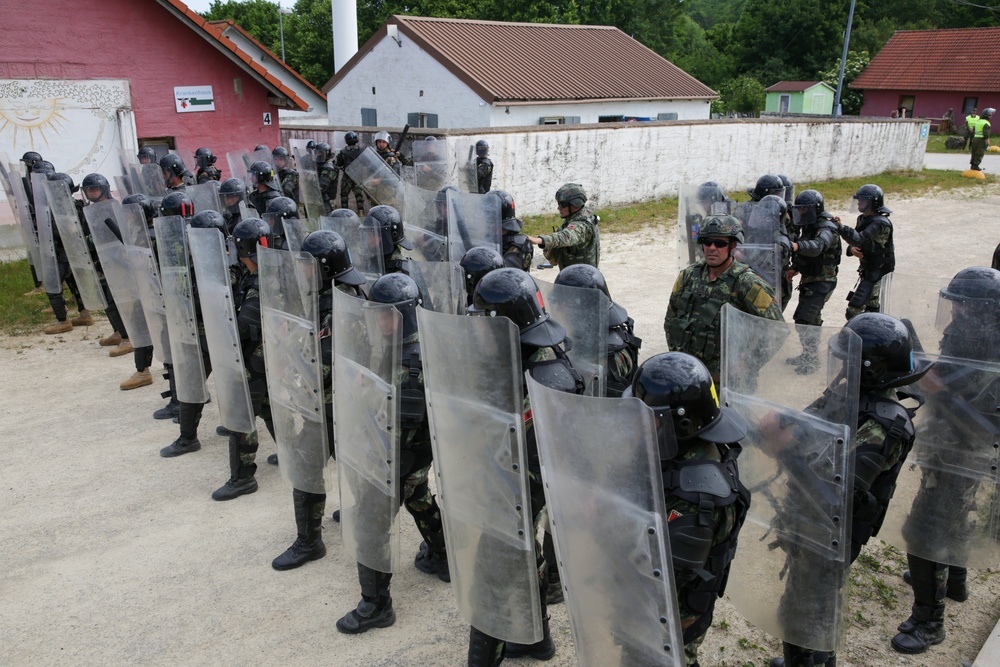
point(524, 103)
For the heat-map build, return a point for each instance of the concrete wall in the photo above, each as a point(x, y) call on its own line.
point(514, 115)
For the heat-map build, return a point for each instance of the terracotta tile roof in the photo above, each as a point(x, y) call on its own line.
point(966, 59)
point(792, 86)
point(226, 23)
point(239, 56)
point(524, 62)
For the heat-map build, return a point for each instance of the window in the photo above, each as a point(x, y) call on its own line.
point(784, 102)
point(968, 104)
point(162, 145)
point(559, 120)
point(369, 118)
point(667, 116)
point(609, 119)
point(906, 106)
point(420, 119)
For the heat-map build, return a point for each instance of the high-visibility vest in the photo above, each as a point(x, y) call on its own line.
point(970, 121)
point(979, 125)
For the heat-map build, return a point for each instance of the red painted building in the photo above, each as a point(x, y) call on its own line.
point(927, 72)
point(79, 81)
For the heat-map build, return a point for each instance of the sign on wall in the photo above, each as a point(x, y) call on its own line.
point(188, 99)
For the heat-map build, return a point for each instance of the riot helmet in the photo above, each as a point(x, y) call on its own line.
point(248, 234)
point(807, 208)
point(262, 147)
point(777, 202)
point(177, 203)
point(401, 291)
point(311, 145)
point(721, 225)
point(30, 158)
point(509, 221)
point(512, 293)
point(147, 155)
point(713, 198)
point(204, 157)
point(586, 276)
point(482, 148)
point(321, 152)
point(43, 167)
point(886, 351)
point(233, 187)
point(969, 313)
point(97, 182)
point(280, 157)
point(209, 220)
point(149, 209)
point(330, 250)
point(172, 165)
point(679, 385)
point(872, 197)
point(571, 194)
point(66, 178)
point(789, 189)
point(261, 173)
point(382, 136)
point(385, 221)
point(278, 210)
point(988, 113)
point(351, 138)
point(346, 214)
point(476, 263)
point(768, 184)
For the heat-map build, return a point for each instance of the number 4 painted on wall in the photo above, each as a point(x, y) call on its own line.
point(267, 118)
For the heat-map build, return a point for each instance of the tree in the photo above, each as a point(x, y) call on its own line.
point(743, 94)
point(850, 100)
point(257, 17)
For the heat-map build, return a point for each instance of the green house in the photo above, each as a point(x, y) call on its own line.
point(806, 97)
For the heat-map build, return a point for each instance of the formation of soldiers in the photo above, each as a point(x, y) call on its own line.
point(376, 343)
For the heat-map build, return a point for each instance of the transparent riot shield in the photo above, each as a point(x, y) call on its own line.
point(440, 285)
point(23, 210)
point(766, 261)
point(310, 193)
point(289, 291)
point(215, 293)
point(420, 209)
point(295, 233)
point(797, 462)
point(607, 511)
point(205, 197)
point(147, 179)
point(430, 164)
point(103, 220)
point(123, 186)
point(692, 208)
point(946, 506)
point(64, 213)
point(761, 222)
point(239, 162)
point(584, 313)
point(364, 244)
point(297, 147)
point(140, 241)
point(180, 302)
point(368, 343)
point(46, 243)
point(377, 179)
point(473, 220)
point(477, 428)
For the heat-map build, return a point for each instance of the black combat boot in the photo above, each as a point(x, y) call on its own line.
point(927, 630)
point(484, 651)
point(375, 609)
point(309, 524)
point(798, 656)
point(171, 409)
point(432, 558)
point(241, 467)
point(545, 649)
point(554, 591)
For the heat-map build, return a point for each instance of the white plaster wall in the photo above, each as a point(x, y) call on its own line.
point(627, 163)
point(503, 115)
point(406, 80)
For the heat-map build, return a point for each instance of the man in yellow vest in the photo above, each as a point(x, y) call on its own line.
point(969, 122)
point(981, 137)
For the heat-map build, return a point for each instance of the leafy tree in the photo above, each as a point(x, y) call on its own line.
point(743, 94)
point(309, 40)
point(850, 100)
point(257, 17)
point(696, 54)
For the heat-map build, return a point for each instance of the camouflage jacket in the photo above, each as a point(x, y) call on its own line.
point(327, 179)
point(694, 315)
point(248, 317)
point(484, 174)
point(212, 173)
point(289, 179)
point(818, 258)
point(873, 236)
point(578, 241)
point(517, 251)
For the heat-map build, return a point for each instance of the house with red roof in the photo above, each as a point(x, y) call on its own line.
point(927, 72)
point(452, 73)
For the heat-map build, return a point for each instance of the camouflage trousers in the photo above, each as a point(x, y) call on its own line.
point(347, 186)
point(422, 506)
point(864, 298)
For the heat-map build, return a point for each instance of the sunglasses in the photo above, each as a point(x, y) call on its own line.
point(562, 204)
point(715, 243)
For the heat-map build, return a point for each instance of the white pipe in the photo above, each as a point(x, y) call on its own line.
point(345, 31)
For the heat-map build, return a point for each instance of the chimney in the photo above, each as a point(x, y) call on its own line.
point(345, 32)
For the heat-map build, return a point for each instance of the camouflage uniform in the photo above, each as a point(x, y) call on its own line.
point(394, 159)
point(484, 174)
point(328, 183)
point(817, 261)
point(345, 157)
point(397, 262)
point(873, 236)
point(243, 446)
point(517, 251)
point(289, 180)
point(694, 315)
point(210, 173)
point(578, 241)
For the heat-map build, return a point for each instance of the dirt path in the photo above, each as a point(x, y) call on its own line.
point(113, 555)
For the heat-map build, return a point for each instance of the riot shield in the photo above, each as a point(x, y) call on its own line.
point(766, 261)
point(147, 179)
point(377, 179)
point(480, 462)
point(239, 162)
point(205, 197)
point(103, 219)
point(368, 343)
point(297, 147)
point(295, 233)
point(29, 233)
point(210, 262)
point(607, 511)
point(46, 243)
point(946, 507)
point(289, 290)
point(473, 220)
point(420, 209)
point(64, 212)
point(761, 222)
point(123, 186)
point(797, 462)
point(365, 245)
point(441, 285)
point(310, 193)
point(430, 164)
point(692, 209)
point(139, 241)
point(180, 302)
point(584, 313)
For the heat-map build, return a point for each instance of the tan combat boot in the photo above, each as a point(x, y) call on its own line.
point(37, 290)
point(59, 327)
point(141, 378)
point(124, 347)
point(113, 339)
point(84, 319)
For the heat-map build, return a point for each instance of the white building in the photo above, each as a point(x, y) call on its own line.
point(452, 73)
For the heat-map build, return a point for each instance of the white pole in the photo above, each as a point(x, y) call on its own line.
point(345, 31)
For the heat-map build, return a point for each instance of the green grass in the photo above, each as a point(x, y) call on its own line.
point(935, 144)
point(20, 314)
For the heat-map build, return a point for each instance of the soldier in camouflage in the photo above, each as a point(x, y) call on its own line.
point(694, 315)
point(345, 157)
point(516, 247)
point(816, 259)
point(393, 158)
point(871, 242)
point(264, 186)
point(207, 171)
point(578, 241)
point(288, 178)
point(327, 170)
point(386, 223)
point(703, 525)
point(175, 174)
point(484, 167)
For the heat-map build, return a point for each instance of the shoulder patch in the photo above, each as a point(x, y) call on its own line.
point(759, 298)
